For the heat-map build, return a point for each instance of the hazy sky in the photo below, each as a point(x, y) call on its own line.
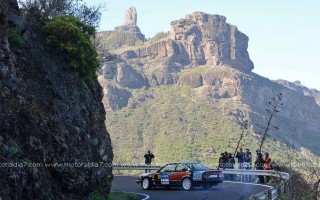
point(283, 35)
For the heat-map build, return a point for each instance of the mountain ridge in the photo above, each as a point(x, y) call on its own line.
point(203, 53)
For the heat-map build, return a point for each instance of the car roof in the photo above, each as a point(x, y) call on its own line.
point(183, 163)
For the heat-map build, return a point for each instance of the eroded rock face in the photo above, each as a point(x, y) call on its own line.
point(297, 86)
point(130, 24)
point(131, 17)
point(208, 39)
point(199, 39)
point(48, 117)
point(114, 98)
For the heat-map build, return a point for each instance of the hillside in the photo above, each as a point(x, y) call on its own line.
point(185, 95)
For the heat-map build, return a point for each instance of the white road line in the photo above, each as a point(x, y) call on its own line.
point(146, 196)
point(248, 183)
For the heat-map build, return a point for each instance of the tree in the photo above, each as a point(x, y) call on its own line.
point(71, 38)
point(90, 15)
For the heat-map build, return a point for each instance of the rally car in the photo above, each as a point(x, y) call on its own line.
point(185, 174)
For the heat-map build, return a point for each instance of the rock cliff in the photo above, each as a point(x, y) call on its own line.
point(297, 86)
point(130, 30)
point(47, 116)
point(199, 39)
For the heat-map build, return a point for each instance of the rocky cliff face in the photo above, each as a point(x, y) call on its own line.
point(130, 26)
point(199, 39)
point(47, 117)
point(207, 54)
point(298, 87)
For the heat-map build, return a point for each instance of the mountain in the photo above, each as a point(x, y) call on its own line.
point(48, 116)
point(297, 86)
point(192, 88)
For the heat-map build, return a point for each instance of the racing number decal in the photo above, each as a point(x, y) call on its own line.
point(165, 179)
point(197, 175)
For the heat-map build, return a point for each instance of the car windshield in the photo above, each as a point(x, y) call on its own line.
point(197, 167)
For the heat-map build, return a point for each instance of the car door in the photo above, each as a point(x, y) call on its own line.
point(180, 172)
point(164, 174)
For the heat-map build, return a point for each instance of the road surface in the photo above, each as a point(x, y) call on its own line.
point(224, 191)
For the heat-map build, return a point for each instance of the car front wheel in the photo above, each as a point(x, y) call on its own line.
point(187, 184)
point(146, 184)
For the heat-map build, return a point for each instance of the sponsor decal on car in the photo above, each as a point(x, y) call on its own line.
point(165, 179)
point(197, 175)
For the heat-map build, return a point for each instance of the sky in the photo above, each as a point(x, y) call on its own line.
point(283, 35)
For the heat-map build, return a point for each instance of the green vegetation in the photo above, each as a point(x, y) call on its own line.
point(119, 38)
point(113, 196)
point(158, 36)
point(49, 9)
point(175, 127)
point(71, 38)
point(15, 37)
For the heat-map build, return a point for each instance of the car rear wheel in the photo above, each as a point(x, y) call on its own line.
point(146, 184)
point(187, 184)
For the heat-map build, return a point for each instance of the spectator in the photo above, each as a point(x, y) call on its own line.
point(267, 164)
point(248, 164)
point(259, 163)
point(222, 161)
point(148, 159)
point(230, 165)
point(240, 157)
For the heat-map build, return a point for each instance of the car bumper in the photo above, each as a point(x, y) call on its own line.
point(213, 180)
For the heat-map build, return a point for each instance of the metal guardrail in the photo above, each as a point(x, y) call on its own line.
point(135, 167)
point(271, 193)
point(273, 173)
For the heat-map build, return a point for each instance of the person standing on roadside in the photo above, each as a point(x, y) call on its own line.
point(267, 164)
point(222, 161)
point(248, 164)
point(148, 159)
point(230, 165)
point(259, 166)
point(240, 157)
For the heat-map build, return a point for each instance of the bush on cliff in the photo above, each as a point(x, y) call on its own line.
point(71, 39)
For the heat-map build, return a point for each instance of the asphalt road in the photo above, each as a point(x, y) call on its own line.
point(223, 191)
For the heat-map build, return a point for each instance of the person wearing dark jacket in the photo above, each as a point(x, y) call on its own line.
point(248, 164)
point(222, 161)
point(148, 159)
point(259, 166)
point(230, 165)
point(240, 157)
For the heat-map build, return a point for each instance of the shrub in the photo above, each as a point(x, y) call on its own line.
point(118, 39)
point(51, 8)
point(71, 39)
point(15, 37)
point(158, 36)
